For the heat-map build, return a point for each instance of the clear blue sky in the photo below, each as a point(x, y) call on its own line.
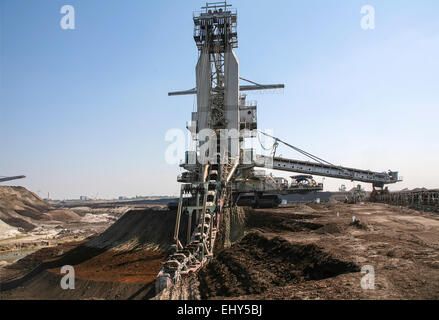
point(85, 111)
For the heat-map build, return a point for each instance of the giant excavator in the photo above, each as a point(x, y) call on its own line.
point(220, 169)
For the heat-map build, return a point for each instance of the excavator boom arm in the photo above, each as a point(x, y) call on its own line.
point(378, 179)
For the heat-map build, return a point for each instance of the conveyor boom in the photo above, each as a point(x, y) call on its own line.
point(378, 179)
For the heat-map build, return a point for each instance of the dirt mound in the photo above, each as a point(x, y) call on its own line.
point(258, 263)
point(138, 236)
point(63, 215)
point(127, 256)
point(330, 228)
point(24, 209)
point(359, 225)
point(140, 229)
point(130, 251)
point(308, 208)
point(274, 221)
point(19, 207)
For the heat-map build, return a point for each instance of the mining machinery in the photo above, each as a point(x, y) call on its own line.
point(220, 168)
point(356, 195)
point(305, 184)
point(4, 179)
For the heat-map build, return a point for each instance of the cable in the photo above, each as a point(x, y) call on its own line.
point(262, 146)
point(256, 84)
point(307, 154)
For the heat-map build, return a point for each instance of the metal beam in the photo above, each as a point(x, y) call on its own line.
point(11, 178)
point(262, 87)
point(241, 88)
point(378, 179)
point(182, 93)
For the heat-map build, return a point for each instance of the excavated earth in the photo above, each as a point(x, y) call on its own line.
point(23, 209)
point(259, 263)
point(313, 251)
point(120, 263)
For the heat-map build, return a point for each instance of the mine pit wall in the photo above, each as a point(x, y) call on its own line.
point(419, 200)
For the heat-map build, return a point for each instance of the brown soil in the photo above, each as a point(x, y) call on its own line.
point(24, 209)
point(400, 244)
point(127, 256)
point(140, 266)
point(279, 221)
point(18, 207)
point(30, 262)
point(294, 252)
point(63, 215)
point(258, 263)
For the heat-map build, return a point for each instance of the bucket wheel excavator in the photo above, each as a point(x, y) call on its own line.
point(220, 171)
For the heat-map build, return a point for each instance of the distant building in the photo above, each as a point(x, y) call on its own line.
point(84, 198)
point(123, 198)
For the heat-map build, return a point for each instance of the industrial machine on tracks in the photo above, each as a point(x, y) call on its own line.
point(220, 171)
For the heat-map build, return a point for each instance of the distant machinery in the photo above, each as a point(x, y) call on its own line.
point(4, 179)
point(419, 199)
point(305, 184)
point(356, 195)
point(262, 190)
point(259, 201)
point(220, 172)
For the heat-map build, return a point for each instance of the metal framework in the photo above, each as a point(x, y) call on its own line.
point(215, 27)
point(378, 179)
point(241, 88)
point(206, 187)
point(427, 200)
point(212, 185)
